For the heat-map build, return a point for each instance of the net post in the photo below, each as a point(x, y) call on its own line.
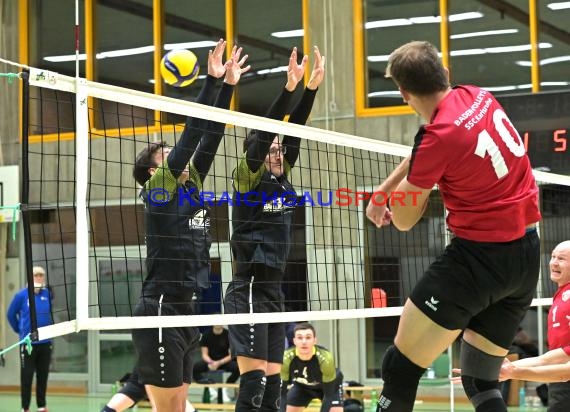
point(82, 238)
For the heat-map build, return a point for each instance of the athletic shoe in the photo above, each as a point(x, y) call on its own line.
point(44, 409)
point(226, 396)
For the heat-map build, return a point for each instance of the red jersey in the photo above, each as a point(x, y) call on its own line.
point(472, 151)
point(559, 320)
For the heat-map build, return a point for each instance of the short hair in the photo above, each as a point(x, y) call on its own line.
point(144, 161)
point(249, 138)
point(38, 270)
point(417, 68)
point(303, 326)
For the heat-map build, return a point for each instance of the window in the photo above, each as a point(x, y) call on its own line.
point(387, 25)
point(486, 49)
point(554, 62)
point(261, 37)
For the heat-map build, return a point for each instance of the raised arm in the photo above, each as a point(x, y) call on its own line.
point(234, 68)
point(180, 155)
point(260, 141)
point(302, 110)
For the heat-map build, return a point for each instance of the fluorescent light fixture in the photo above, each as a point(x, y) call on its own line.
point(483, 33)
point(387, 23)
point(506, 88)
point(544, 62)
point(288, 33)
point(421, 20)
point(125, 52)
point(200, 77)
point(65, 58)
point(490, 88)
point(473, 52)
point(131, 52)
point(559, 6)
point(190, 45)
point(554, 84)
point(274, 70)
point(393, 93)
point(524, 86)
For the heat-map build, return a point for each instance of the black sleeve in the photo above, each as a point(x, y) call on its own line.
point(181, 153)
point(299, 115)
point(260, 141)
point(206, 151)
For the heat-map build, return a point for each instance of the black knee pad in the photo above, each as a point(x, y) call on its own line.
point(479, 375)
point(484, 395)
point(251, 389)
point(272, 395)
point(107, 409)
point(401, 377)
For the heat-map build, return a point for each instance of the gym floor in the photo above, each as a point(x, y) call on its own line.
point(10, 402)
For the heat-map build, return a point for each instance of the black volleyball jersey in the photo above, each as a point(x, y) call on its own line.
point(318, 370)
point(262, 215)
point(178, 236)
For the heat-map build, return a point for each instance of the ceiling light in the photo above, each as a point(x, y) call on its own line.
point(125, 52)
point(420, 20)
point(131, 52)
point(200, 77)
point(394, 93)
point(490, 88)
point(559, 6)
point(65, 58)
point(472, 52)
point(387, 23)
point(190, 45)
point(288, 33)
point(274, 70)
point(483, 33)
point(544, 62)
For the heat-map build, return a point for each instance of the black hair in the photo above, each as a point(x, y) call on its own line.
point(144, 161)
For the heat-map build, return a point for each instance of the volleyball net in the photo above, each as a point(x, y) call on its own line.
point(86, 218)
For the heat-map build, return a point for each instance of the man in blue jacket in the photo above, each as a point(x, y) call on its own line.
point(38, 361)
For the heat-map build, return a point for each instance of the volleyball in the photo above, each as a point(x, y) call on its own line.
point(179, 68)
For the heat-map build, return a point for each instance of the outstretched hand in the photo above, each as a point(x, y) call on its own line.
point(215, 66)
point(234, 68)
point(295, 71)
point(318, 70)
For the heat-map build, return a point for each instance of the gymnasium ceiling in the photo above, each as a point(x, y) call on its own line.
point(125, 24)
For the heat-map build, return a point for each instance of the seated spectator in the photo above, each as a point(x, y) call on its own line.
point(215, 347)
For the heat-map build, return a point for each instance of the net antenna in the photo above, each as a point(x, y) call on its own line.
point(344, 258)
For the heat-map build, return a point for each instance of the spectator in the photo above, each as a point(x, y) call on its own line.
point(38, 360)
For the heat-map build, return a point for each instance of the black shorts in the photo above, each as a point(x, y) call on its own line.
point(485, 287)
point(559, 397)
point(164, 355)
point(255, 340)
point(302, 395)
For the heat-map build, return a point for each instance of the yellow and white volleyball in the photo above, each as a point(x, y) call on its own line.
point(179, 67)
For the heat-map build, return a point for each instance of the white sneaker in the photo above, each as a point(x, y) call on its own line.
point(226, 396)
point(213, 394)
